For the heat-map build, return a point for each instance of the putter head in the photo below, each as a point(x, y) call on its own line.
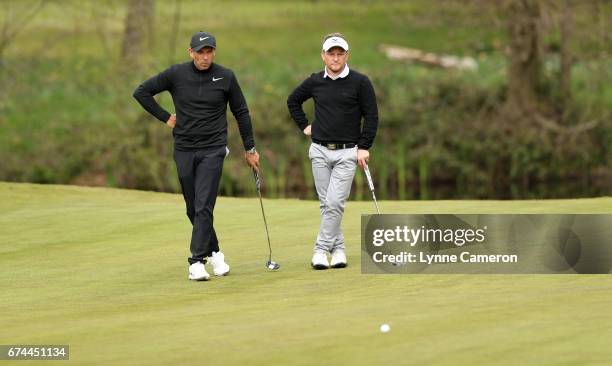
point(272, 265)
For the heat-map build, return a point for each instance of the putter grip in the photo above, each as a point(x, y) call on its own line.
point(369, 178)
point(257, 181)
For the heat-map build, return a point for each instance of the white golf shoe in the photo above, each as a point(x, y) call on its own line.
point(220, 268)
point(319, 261)
point(338, 259)
point(197, 272)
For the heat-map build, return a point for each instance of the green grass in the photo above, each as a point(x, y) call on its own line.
point(104, 270)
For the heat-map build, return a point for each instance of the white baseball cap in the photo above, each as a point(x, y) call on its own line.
point(335, 42)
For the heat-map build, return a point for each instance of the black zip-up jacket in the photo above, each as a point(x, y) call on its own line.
point(200, 99)
point(340, 106)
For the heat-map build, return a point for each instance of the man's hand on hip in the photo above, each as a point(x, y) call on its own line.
point(171, 121)
point(252, 160)
point(307, 131)
point(363, 156)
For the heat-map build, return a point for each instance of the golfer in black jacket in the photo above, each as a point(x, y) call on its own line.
point(201, 91)
point(342, 98)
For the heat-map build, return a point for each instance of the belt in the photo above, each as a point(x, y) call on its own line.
point(335, 146)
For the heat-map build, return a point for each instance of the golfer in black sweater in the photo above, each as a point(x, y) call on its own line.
point(201, 91)
point(340, 141)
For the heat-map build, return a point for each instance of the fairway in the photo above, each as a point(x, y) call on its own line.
point(105, 271)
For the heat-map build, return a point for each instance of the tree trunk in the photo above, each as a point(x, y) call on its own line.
point(176, 19)
point(567, 25)
point(138, 31)
point(523, 56)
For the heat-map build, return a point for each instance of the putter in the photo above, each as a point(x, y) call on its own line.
point(371, 185)
point(270, 264)
point(366, 169)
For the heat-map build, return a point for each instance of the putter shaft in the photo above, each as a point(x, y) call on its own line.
point(376, 203)
point(258, 186)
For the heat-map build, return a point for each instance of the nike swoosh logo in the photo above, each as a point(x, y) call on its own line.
point(201, 39)
point(216, 78)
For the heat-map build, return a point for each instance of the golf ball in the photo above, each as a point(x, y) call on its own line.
point(385, 328)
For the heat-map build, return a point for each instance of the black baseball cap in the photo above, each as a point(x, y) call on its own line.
point(201, 40)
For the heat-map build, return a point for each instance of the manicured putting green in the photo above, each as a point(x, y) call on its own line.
point(105, 271)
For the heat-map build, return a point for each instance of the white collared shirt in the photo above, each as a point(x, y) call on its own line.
point(342, 75)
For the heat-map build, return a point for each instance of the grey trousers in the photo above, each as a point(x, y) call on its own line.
point(333, 172)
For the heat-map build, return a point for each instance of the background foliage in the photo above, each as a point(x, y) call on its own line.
point(67, 115)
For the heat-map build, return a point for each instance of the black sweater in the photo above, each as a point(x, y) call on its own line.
point(339, 107)
point(200, 99)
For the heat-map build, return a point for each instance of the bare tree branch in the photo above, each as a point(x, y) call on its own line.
point(14, 25)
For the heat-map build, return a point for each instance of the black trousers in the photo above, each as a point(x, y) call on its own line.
point(199, 174)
